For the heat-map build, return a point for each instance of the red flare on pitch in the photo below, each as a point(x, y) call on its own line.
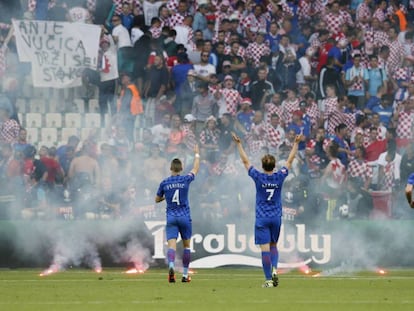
point(98, 270)
point(51, 270)
point(305, 269)
point(191, 272)
point(381, 271)
point(134, 271)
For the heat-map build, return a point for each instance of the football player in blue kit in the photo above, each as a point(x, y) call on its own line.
point(268, 206)
point(174, 190)
point(409, 190)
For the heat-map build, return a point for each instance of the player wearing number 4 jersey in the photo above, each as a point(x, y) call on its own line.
point(268, 206)
point(174, 190)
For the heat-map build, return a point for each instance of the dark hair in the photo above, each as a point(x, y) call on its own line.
point(29, 151)
point(176, 165)
point(340, 127)
point(333, 148)
point(268, 163)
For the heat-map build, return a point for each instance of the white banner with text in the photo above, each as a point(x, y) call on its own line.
point(58, 51)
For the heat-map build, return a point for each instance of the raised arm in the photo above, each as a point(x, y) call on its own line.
point(408, 195)
point(242, 153)
point(292, 153)
point(196, 165)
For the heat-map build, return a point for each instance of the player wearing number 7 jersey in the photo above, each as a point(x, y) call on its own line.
point(268, 206)
point(174, 190)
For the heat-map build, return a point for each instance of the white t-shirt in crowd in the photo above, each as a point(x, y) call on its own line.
point(305, 70)
point(122, 34)
point(204, 70)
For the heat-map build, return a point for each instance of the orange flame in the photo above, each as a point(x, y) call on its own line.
point(305, 269)
point(98, 269)
point(51, 270)
point(134, 271)
point(381, 271)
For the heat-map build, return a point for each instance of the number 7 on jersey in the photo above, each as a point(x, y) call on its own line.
point(270, 192)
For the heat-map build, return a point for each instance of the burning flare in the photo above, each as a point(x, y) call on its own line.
point(54, 268)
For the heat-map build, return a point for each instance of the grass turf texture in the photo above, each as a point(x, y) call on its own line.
point(212, 289)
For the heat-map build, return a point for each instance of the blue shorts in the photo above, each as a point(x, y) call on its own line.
point(177, 225)
point(267, 230)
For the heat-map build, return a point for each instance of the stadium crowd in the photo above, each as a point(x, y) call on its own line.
point(192, 72)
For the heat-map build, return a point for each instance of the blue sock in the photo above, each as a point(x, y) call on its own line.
point(267, 265)
point(171, 257)
point(274, 256)
point(186, 261)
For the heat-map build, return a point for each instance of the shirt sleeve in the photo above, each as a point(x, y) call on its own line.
point(160, 192)
point(411, 179)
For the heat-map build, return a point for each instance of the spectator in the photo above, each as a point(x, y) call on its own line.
point(54, 170)
point(209, 140)
point(185, 95)
point(108, 76)
point(204, 106)
point(176, 136)
point(156, 86)
point(333, 178)
point(204, 69)
point(123, 43)
point(9, 128)
point(230, 98)
point(200, 20)
point(127, 18)
point(356, 80)
point(129, 104)
point(208, 32)
point(358, 168)
point(260, 89)
point(275, 134)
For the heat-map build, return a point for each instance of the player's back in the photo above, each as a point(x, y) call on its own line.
point(268, 192)
point(175, 189)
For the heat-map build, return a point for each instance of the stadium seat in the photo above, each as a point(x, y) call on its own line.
point(40, 92)
point(53, 120)
point(20, 117)
point(27, 87)
point(67, 132)
point(32, 135)
point(85, 131)
point(55, 105)
point(92, 120)
point(49, 135)
point(37, 105)
point(79, 105)
point(33, 120)
point(21, 105)
point(73, 120)
point(93, 106)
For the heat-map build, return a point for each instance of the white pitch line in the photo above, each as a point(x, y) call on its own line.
point(312, 302)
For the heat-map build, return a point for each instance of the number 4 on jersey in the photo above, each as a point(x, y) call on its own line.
point(176, 197)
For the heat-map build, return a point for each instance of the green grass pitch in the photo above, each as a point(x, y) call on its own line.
point(212, 289)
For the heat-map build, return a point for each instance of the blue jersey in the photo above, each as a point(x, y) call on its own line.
point(175, 189)
point(411, 179)
point(268, 192)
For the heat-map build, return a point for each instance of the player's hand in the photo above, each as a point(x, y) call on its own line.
point(298, 138)
point(236, 138)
